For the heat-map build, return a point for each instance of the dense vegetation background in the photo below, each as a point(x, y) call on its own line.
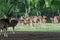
point(30, 7)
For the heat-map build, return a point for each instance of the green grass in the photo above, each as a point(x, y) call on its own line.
point(48, 27)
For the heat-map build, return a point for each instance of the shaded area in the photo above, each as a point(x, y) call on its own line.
point(32, 36)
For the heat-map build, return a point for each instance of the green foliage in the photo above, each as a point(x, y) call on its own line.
point(55, 5)
point(19, 7)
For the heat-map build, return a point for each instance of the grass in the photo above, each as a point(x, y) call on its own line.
point(48, 27)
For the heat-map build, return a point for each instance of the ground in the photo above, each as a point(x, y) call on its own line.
point(46, 31)
point(49, 27)
point(32, 36)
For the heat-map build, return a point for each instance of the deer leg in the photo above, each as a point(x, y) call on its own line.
point(5, 34)
point(13, 30)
